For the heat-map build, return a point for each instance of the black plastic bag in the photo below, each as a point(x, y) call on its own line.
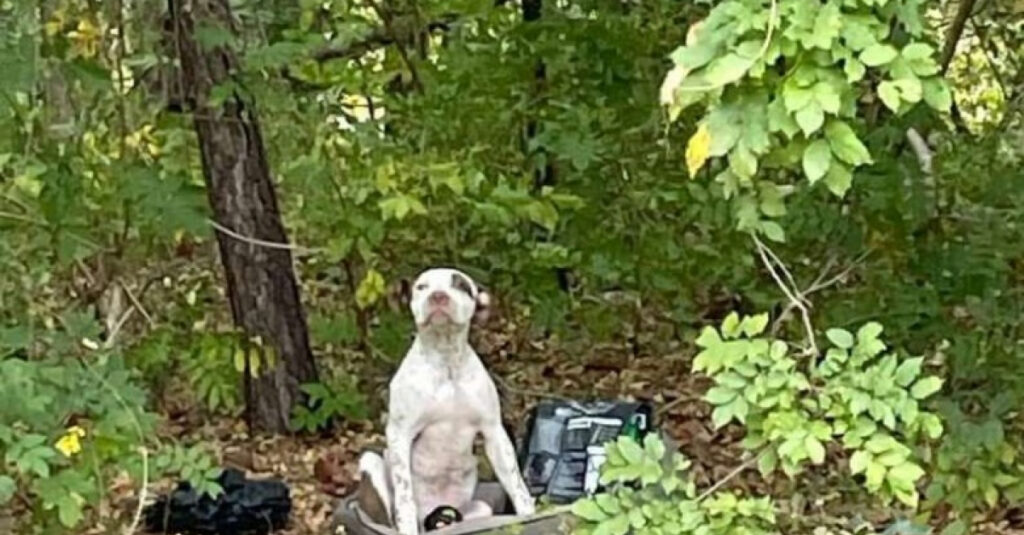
point(245, 507)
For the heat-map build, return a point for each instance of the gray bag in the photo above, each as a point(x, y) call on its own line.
point(350, 520)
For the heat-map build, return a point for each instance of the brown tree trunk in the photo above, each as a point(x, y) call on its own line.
point(261, 283)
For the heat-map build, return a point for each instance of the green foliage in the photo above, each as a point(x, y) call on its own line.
point(652, 492)
point(215, 370)
point(326, 403)
point(193, 464)
point(794, 408)
point(978, 466)
point(72, 418)
point(785, 82)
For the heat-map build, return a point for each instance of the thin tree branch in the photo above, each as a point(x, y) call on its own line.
point(956, 30)
point(297, 249)
point(797, 302)
point(378, 38)
point(820, 283)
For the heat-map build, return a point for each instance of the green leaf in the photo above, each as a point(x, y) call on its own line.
point(815, 449)
point(743, 162)
point(841, 338)
point(727, 69)
point(731, 380)
point(907, 472)
point(722, 415)
point(878, 54)
point(754, 325)
point(827, 97)
point(932, 425)
point(957, 527)
point(854, 70)
point(859, 461)
point(630, 450)
point(910, 89)
point(588, 509)
point(7, 489)
point(917, 51)
point(767, 463)
point(845, 143)
point(817, 159)
point(617, 525)
point(874, 475)
point(890, 95)
point(796, 98)
point(731, 325)
point(838, 179)
point(908, 370)
point(780, 120)
point(921, 59)
point(810, 118)
point(654, 447)
point(69, 510)
point(926, 387)
point(773, 231)
point(608, 503)
point(937, 94)
point(869, 331)
point(708, 337)
point(719, 395)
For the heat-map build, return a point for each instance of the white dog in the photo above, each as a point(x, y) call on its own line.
point(441, 398)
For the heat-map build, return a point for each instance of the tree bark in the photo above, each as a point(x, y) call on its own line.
point(261, 285)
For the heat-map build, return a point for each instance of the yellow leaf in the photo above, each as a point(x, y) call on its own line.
point(697, 149)
point(370, 289)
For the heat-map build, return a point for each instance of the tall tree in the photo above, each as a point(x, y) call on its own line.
point(261, 284)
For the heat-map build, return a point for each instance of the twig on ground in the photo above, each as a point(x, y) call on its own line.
point(671, 405)
point(137, 304)
point(109, 343)
point(728, 477)
point(797, 302)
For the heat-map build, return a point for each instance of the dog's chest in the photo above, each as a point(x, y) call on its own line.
point(452, 421)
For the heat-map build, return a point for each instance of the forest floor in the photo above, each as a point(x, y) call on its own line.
point(321, 469)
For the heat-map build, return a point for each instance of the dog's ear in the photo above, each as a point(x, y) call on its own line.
point(484, 304)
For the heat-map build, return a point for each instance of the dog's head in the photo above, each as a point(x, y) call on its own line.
point(446, 298)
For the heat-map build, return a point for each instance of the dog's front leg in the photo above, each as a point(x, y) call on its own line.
point(502, 457)
point(399, 459)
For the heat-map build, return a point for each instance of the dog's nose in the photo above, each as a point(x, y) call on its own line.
point(438, 298)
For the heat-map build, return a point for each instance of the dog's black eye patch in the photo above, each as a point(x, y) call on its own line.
point(460, 283)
